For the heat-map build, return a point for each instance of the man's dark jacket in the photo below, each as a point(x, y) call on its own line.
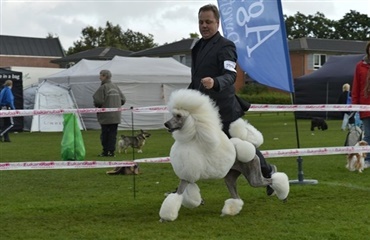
point(208, 61)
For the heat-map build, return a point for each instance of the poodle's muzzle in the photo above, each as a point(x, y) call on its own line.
point(175, 123)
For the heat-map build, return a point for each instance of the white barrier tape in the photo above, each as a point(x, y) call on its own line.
point(105, 164)
point(152, 109)
point(314, 151)
point(285, 153)
point(20, 113)
point(163, 109)
point(309, 108)
point(153, 160)
point(63, 165)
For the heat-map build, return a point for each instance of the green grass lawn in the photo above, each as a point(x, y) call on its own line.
point(88, 204)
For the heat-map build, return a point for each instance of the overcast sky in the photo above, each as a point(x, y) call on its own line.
point(167, 21)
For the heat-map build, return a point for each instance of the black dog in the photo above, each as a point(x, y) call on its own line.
point(319, 123)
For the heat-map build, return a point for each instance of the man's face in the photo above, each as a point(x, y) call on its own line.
point(208, 25)
point(102, 77)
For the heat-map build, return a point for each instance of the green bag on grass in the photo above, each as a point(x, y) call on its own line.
point(73, 147)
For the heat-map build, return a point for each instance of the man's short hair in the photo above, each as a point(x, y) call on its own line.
point(210, 7)
point(106, 73)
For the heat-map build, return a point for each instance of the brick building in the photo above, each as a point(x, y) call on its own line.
point(29, 52)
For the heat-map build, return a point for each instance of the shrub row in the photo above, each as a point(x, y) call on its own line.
point(269, 97)
point(256, 93)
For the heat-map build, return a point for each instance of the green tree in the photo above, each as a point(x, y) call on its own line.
point(52, 35)
point(353, 25)
point(319, 26)
point(194, 35)
point(136, 41)
point(296, 26)
point(111, 36)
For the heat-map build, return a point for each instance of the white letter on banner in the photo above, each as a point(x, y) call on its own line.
point(233, 37)
point(226, 3)
point(247, 16)
point(258, 30)
point(228, 23)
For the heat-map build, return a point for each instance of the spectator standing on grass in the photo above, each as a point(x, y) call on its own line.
point(6, 103)
point(345, 98)
point(361, 93)
point(108, 96)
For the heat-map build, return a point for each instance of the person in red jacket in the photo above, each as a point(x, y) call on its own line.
point(361, 93)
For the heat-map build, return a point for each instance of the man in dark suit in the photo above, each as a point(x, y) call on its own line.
point(213, 66)
point(214, 73)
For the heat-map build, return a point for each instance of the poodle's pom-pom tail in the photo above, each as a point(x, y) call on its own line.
point(280, 183)
point(191, 196)
point(170, 207)
point(245, 151)
point(232, 207)
point(245, 131)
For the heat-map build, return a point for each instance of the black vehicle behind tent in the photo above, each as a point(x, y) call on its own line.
point(17, 90)
point(325, 85)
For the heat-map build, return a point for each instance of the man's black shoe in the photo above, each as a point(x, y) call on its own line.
point(168, 193)
point(269, 190)
point(103, 154)
point(110, 154)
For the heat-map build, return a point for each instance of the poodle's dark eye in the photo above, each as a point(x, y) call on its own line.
point(178, 115)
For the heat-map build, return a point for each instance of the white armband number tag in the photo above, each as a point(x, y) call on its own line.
point(229, 65)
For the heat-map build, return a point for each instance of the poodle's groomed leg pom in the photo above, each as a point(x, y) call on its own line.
point(170, 207)
point(232, 207)
point(245, 131)
point(280, 183)
point(245, 151)
point(191, 196)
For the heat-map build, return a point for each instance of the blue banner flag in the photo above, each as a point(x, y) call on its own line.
point(258, 30)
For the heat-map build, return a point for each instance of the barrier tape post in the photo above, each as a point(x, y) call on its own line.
point(133, 150)
point(300, 179)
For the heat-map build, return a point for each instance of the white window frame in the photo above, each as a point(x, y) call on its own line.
point(182, 58)
point(317, 60)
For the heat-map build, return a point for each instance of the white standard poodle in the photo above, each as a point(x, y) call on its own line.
point(203, 151)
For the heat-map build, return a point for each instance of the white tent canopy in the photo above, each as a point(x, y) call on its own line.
point(31, 75)
point(144, 81)
point(51, 96)
point(81, 67)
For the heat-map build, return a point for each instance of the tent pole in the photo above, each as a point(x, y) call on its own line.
point(75, 103)
point(327, 98)
point(301, 179)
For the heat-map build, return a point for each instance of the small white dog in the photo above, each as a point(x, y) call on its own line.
point(356, 161)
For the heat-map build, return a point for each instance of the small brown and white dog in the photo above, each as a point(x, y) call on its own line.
point(356, 161)
point(137, 141)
